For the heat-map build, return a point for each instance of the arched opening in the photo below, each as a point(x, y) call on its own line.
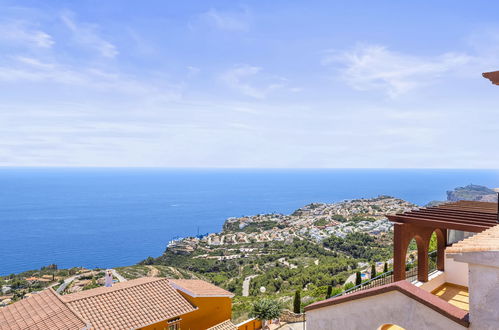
point(411, 260)
point(390, 327)
point(436, 250)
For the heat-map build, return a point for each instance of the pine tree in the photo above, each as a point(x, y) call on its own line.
point(297, 302)
point(358, 278)
point(373, 271)
point(329, 291)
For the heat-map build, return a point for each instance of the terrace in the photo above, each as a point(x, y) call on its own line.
point(437, 290)
point(451, 223)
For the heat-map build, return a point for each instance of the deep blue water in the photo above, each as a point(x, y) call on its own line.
point(117, 217)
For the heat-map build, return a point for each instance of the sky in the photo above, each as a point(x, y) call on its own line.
point(256, 84)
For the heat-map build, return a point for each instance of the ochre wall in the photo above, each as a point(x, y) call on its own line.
point(157, 326)
point(211, 311)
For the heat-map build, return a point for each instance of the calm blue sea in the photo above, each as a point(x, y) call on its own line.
point(117, 217)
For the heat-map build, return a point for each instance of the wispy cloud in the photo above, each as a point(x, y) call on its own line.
point(21, 32)
point(86, 34)
point(28, 69)
point(374, 67)
point(245, 79)
point(224, 20)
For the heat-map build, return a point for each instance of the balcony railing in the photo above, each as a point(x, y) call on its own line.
point(387, 278)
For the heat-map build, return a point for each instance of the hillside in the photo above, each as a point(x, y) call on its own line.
point(472, 193)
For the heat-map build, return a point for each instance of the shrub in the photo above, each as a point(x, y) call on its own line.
point(266, 309)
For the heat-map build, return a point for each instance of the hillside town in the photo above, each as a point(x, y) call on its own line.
point(315, 221)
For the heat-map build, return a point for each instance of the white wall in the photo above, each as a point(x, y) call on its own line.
point(371, 312)
point(456, 272)
point(483, 288)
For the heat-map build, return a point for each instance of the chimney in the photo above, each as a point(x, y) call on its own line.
point(109, 278)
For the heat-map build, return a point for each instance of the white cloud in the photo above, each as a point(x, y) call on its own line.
point(245, 78)
point(28, 69)
point(86, 34)
point(22, 32)
point(232, 21)
point(373, 67)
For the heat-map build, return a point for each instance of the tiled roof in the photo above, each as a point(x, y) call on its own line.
point(200, 288)
point(226, 325)
point(131, 304)
point(424, 297)
point(492, 76)
point(487, 240)
point(44, 310)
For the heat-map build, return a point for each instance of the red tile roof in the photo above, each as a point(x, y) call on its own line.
point(199, 288)
point(487, 240)
point(131, 304)
point(226, 325)
point(492, 76)
point(426, 298)
point(44, 310)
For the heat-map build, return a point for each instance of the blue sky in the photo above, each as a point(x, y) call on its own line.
point(264, 84)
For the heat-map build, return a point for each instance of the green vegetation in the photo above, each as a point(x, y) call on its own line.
point(266, 309)
point(329, 291)
point(360, 246)
point(321, 222)
point(373, 271)
point(358, 278)
point(297, 302)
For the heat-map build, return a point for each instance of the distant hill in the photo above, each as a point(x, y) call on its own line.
point(472, 192)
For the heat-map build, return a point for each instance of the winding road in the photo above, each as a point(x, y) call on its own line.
point(246, 284)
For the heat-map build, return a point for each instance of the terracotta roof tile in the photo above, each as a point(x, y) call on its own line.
point(226, 325)
point(44, 310)
point(200, 288)
point(131, 304)
point(487, 240)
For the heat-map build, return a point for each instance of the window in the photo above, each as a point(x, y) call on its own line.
point(173, 324)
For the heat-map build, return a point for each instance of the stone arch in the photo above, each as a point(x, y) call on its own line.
point(403, 234)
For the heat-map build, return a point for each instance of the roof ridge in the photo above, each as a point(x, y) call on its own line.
point(113, 289)
point(58, 297)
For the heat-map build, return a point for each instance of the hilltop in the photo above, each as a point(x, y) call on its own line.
point(472, 192)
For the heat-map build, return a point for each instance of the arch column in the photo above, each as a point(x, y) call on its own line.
point(401, 239)
point(441, 244)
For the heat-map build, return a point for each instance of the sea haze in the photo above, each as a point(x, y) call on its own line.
point(117, 217)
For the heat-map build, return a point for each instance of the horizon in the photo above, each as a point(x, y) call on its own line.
point(248, 85)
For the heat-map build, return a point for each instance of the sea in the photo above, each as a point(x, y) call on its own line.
point(111, 217)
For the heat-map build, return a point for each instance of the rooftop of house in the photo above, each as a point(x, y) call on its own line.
point(130, 304)
point(44, 310)
point(127, 305)
point(199, 288)
point(487, 240)
point(227, 325)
